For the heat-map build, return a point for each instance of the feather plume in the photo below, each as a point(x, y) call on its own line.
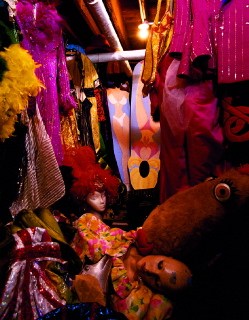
point(18, 84)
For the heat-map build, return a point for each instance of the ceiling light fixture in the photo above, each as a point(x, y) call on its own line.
point(143, 30)
point(144, 26)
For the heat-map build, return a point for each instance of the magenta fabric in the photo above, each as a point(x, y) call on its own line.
point(204, 136)
point(181, 26)
point(192, 145)
point(213, 35)
point(201, 41)
point(232, 30)
point(42, 37)
point(192, 37)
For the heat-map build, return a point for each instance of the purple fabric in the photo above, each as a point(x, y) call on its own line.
point(42, 37)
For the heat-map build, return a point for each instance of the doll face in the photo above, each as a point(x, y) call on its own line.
point(97, 201)
point(162, 273)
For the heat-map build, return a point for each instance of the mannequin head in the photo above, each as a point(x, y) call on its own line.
point(92, 187)
point(164, 273)
point(96, 202)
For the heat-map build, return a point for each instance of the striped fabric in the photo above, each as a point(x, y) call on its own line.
point(42, 180)
point(29, 292)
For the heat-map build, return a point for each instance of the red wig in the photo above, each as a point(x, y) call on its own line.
point(88, 174)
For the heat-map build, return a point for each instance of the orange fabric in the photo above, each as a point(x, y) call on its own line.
point(157, 45)
point(88, 289)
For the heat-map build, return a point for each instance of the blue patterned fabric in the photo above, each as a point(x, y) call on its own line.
point(83, 311)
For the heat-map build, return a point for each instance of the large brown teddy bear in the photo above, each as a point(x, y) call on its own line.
point(195, 222)
point(207, 227)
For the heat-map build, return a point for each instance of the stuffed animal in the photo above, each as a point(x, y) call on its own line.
point(197, 224)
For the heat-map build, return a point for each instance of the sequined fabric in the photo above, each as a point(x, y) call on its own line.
point(42, 182)
point(232, 41)
point(181, 22)
point(192, 38)
point(90, 79)
point(29, 292)
point(157, 44)
point(86, 311)
point(69, 130)
point(42, 37)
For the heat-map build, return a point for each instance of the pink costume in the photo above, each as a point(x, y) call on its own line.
point(231, 29)
point(180, 43)
point(41, 29)
point(191, 138)
point(192, 41)
point(232, 41)
point(29, 293)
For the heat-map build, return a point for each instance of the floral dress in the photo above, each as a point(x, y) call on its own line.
point(132, 298)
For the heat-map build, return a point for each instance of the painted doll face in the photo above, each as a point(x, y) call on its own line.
point(97, 201)
point(162, 273)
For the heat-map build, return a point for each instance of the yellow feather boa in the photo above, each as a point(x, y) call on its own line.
point(19, 82)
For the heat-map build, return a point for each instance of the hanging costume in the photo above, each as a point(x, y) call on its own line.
point(17, 86)
point(189, 130)
point(94, 115)
point(42, 182)
point(42, 36)
point(83, 113)
point(230, 21)
point(191, 137)
point(90, 81)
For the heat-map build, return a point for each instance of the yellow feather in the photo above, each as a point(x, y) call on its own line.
point(18, 84)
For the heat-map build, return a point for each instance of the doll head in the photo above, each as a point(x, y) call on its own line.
point(92, 185)
point(164, 274)
point(96, 201)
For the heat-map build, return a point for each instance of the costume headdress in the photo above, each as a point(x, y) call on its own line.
point(88, 175)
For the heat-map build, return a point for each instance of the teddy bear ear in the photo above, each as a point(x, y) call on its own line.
point(244, 169)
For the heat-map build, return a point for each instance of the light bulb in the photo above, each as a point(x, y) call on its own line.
point(143, 30)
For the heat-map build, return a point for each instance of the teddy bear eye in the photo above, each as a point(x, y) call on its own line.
point(222, 192)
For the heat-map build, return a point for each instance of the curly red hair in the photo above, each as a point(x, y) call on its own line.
point(88, 175)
